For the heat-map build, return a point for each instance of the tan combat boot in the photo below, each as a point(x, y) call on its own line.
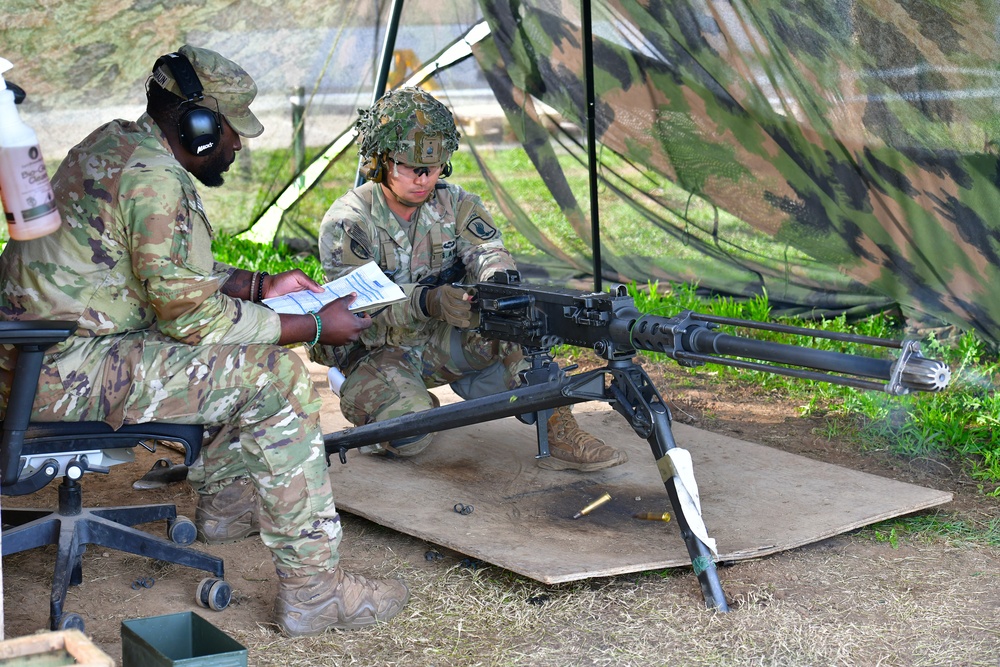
point(335, 600)
point(229, 515)
point(572, 448)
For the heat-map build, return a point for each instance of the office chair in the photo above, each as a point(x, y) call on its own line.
point(32, 454)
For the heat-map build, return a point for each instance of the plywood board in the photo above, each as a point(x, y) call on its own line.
point(66, 647)
point(756, 500)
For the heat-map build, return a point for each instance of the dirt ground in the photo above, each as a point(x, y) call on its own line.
point(856, 599)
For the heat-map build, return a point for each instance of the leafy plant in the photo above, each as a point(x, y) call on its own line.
point(260, 257)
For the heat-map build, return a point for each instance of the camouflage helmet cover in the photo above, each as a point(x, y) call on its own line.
point(409, 126)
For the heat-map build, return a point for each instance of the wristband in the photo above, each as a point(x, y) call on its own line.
point(422, 301)
point(319, 329)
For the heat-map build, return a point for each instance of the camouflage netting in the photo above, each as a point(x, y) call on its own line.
point(839, 155)
point(861, 133)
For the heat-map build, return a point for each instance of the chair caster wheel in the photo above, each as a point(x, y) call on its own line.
point(181, 530)
point(213, 594)
point(71, 621)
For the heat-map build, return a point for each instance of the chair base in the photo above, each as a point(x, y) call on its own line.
point(72, 527)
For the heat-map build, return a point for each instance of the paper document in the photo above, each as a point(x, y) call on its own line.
point(372, 287)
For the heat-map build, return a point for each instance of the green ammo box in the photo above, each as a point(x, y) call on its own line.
point(183, 640)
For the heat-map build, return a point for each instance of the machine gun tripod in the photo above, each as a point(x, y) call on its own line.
point(630, 392)
point(539, 318)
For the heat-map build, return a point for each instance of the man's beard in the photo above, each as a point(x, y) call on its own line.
point(210, 173)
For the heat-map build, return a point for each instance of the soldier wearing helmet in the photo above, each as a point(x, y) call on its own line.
point(426, 235)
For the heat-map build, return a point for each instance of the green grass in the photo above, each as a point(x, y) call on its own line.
point(938, 525)
point(259, 257)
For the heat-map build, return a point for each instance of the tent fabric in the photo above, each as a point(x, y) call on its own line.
point(688, 253)
point(837, 155)
point(861, 133)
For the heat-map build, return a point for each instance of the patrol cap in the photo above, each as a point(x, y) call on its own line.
point(223, 82)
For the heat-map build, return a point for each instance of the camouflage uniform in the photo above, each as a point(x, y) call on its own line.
point(157, 340)
point(403, 353)
point(417, 234)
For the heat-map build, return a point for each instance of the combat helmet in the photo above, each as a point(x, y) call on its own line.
point(408, 126)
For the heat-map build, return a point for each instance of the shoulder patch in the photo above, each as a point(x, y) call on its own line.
point(360, 244)
point(481, 229)
point(359, 251)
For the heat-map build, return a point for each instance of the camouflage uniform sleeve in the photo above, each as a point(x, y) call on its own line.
point(223, 272)
point(348, 238)
point(346, 225)
point(171, 251)
point(480, 242)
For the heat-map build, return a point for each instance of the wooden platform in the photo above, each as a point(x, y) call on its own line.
point(756, 500)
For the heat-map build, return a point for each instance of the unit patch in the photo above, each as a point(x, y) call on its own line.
point(360, 243)
point(481, 228)
point(360, 251)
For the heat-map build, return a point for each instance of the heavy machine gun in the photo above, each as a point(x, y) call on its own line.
point(541, 317)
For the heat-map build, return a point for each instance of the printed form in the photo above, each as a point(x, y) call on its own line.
point(372, 287)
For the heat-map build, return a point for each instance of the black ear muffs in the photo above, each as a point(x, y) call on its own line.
point(199, 129)
point(446, 170)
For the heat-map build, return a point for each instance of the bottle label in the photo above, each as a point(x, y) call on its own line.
point(27, 193)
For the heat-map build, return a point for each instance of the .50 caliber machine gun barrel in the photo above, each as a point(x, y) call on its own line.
point(690, 340)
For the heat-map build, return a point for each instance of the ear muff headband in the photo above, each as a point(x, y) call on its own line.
point(199, 129)
point(373, 170)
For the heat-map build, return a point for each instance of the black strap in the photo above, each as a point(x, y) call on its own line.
point(185, 76)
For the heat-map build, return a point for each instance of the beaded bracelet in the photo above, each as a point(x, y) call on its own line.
point(253, 285)
point(319, 329)
point(260, 286)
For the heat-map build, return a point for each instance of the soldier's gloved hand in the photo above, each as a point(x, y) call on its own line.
point(447, 303)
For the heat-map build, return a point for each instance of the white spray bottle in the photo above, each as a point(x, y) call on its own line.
point(27, 195)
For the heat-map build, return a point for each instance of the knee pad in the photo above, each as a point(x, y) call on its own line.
point(409, 446)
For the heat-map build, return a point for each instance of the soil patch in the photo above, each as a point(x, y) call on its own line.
point(864, 598)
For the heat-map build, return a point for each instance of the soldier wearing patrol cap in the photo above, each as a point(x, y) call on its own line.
point(424, 233)
point(167, 333)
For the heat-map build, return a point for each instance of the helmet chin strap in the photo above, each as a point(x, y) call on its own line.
point(406, 202)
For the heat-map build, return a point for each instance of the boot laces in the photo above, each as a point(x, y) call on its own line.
point(567, 430)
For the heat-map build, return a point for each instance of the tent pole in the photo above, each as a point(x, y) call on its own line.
point(588, 75)
point(264, 228)
point(385, 62)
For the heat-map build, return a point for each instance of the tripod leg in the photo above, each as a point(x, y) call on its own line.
point(542, 432)
point(634, 397)
point(702, 559)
